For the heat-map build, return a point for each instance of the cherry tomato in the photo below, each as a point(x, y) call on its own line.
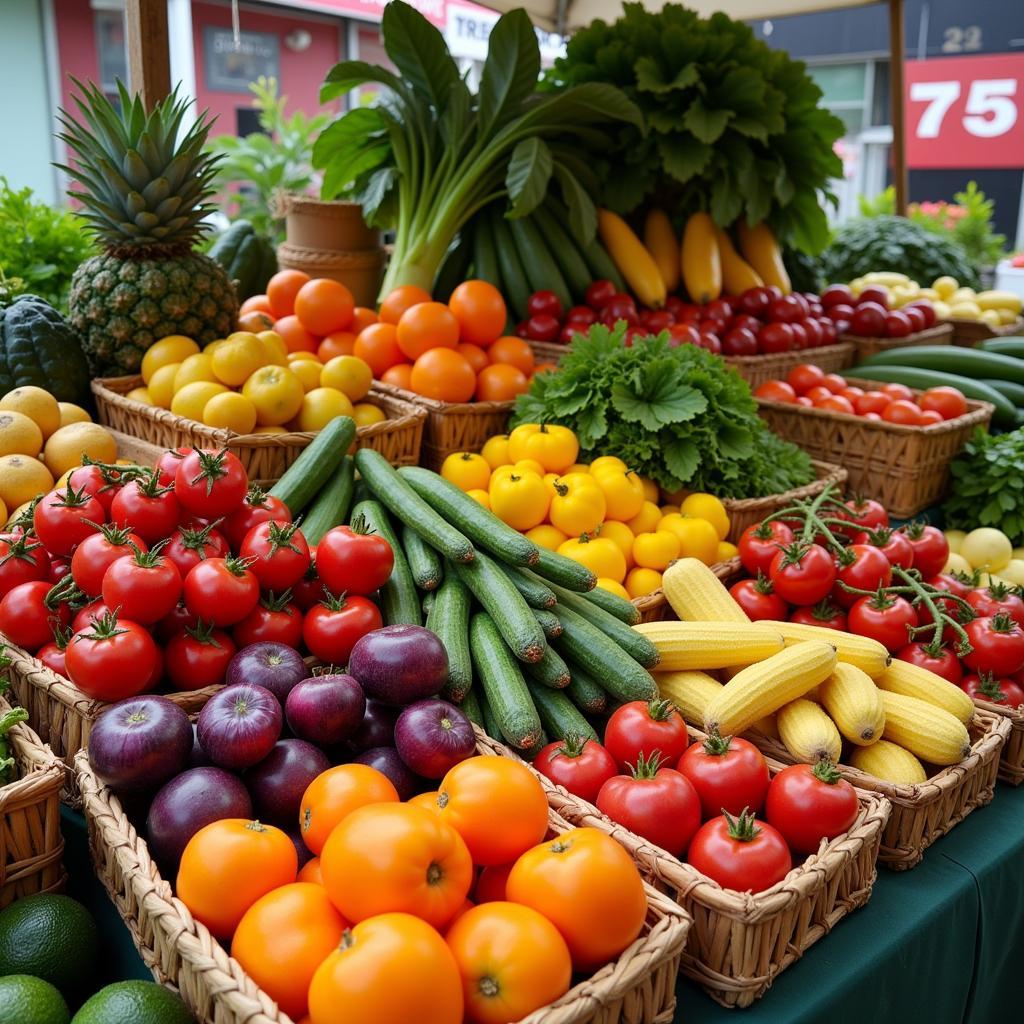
point(545, 303)
point(918, 321)
point(885, 619)
point(578, 764)
point(851, 394)
point(894, 545)
point(898, 324)
point(112, 659)
point(739, 854)
point(177, 620)
point(835, 403)
point(760, 543)
point(871, 401)
point(54, 654)
point(758, 599)
point(22, 560)
point(354, 560)
point(332, 627)
point(817, 394)
point(210, 483)
point(775, 391)
point(278, 554)
point(866, 513)
point(309, 590)
point(143, 586)
point(987, 687)
point(824, 613)
point(942, 661)
point(645, 728)
point(741, 342)
point(192, 544)
point(85, 617)
point(802, 573)
point(221, 591)
point(809, 803)
point(63, 519)
point(167, 465)
point(146, 508)
point(775, 337)
point(542, 327)
point(275, 618)
point(864, 567)
point(930, 549)
point(997, 642)
point(600, 293)
point(581, 316)
point(834, 382)
point(925, 307)
point(198, 657)
point(812, 329)
point(25, 618)
point(755, 301)
point(868, 320)
point(897, 392)
point(804, 377)
point(258, 507)
point(995, 598)
point(728, 773)
point(907, 413)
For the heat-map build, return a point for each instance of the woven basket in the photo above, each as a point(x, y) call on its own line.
point(970, 332)
point(756, 370)
point(264, 456)
point(1011, 757)
point(654, 607)
point(31, 844)
point(548, 351)
point(940, 334)
point(638, 988)
point(906, 468)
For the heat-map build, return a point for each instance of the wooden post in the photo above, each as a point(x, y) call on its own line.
point(149, 59)
point(897, 47)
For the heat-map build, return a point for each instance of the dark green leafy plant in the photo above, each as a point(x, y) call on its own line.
point(432, 154)
point(987, 486)
point(732, 127)
point(677, 415)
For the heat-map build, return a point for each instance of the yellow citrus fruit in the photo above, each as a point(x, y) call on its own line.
point(191, 400)
point(213, 346)
point(194, 368)
point(277, 394)
point(22, 477)
point(175, 348)
point(36, 404)
point(230, 411)
point(727, 551)
point(161, 385)
point(237, 359)
point(18, 434)
point(348, 374)
point(4, 517)
point(270, 430)
point(308, 371)
point(366, 414)
point(71, 413)
point(309, 357)
point(319, 407)
point(274, 346)
point(707, 506)
point(140, 395)
point(65, 447)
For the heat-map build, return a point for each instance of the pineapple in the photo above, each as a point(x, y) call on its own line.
point(145, 197)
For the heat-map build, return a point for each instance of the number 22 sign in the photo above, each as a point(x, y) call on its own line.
point(965, 111)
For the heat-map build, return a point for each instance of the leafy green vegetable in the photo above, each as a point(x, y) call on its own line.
point(677, 415)
point(732, 126)
point(7, 722)
point(804, 271)
point(987, 486)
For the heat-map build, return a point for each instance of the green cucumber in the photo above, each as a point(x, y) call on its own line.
point(481, 526)
point(449, 619)
point(570, 259)
point(399, 600)
point(1009, 346)
point(507, 694)
point(583, 690)
point(551, 670)
point(471, 708)
point(548, 622)
point(1009, 389)
point(454, 268)
point(517, 288)
point(306, 476)
point(556, 568)
point(558, 715)
point(600, 264)
point(405, 504)
point(586, 645)
point(529, 753)
point(506, 606)
point(541, 268)
point(490, 726)
point(424, 561)
point(635, 644)
point(968, 362)
point(428, 601)
point(330, 507)
point(537, 593)
point(614, 605)
point(485, 257)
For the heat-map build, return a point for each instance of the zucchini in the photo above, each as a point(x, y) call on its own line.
point(507, 695)
point(330, 507)
point(558, 715)
point(1004, 346)
point(304, 478)
point(485, 258)
point(1009, 389)
point(570, 259)
point(583, 690)
point(512, 274)
point(637, 646)
point(540, 265)
point(505, 605)
point(548, 622)
point(399, 601)
point(618, 673)
point(449, 619)
point(481, 526)
point(550, 671)
point(537, 593)
point(968, 362)
point(405, 504)
point(614, 605)
point(471, 708)
point(424, 561)
point(556, 568)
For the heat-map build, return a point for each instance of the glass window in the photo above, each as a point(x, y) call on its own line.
point(841, 83)
point(880, 102)
point(110, 49)
point(230, 68)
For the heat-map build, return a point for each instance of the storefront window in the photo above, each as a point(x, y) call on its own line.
point(230, 67)
point(110, 49)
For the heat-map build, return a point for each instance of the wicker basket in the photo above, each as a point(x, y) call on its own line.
point(906, 468)
point(756, 370)
point(1011, 757)
point(548, 351)
point(654, 607)
point(264, 456)
point(31, 844)
point(940, 334)
point(638, 988)
point(971, 332)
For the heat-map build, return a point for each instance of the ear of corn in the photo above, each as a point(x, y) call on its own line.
point(763, 688)
point(915, 681)
point(691, 692)
point(850, 696)
point(927, 731)
point(868, 655)
point(706, 645)
point(696, 594)
point(808, 733)
point(888, 761)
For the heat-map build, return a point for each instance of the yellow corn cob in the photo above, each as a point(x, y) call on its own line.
point(697, 594)
point(705, 645)
point(662, 244)
point(635, 263)
point(763, 688)
point(808, 733)
point(915, 681)
point(850, 696)
point(889, 761)
point(691, 692)
point(867, 654)
point(927, 731)
point(766, 726)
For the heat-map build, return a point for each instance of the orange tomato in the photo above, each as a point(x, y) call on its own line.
point(513, 351)
point(425, 326)
point(337, 343)
point(254, 321)
point(544, 368)
point(428, 801)
point(228, 865)
point(467, 905)
point(396, 858)
point(512, 961)
point(480, 310)
point(296, 338)
point(393, 968)
point(474, 355)
point(399, 376)
point(284, 937)
point(336, 793)
point(256, 304)
point(490, 885)
point(324, 305)
point(378, 346)
point(282, 289)
point(397, 301)
point(443, 374)
point(585, 883)
point(496, 805)
point(500, 382)
point(362, 316)
point(310, 872)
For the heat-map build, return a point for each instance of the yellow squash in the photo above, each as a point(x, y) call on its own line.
point(635, 263)
point(914, 681)
point(808, 733)
point(853, 700)
point(697, 594)
point(762, 252)
point(691, 692)
point(737, 274)
point(702, 267)
point(867, 654)
point(889, 761)
point(663, 245)
point(925, 730)
point(708, 645)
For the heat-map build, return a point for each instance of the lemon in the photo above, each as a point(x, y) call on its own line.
point(230, 411)
point(19, 435)
point(945, 286)
point(349, 374)
point(308, 371)
point(161, 385)
point(140, 395)
point(237, 359)
point(320, 406)
point(213, 346)
point(270, 430)
point(36, 404)
point(22, 477)
point(71, 413)
point(175, 348)
point(194, 368)
point(365, 414)
point(191, 400)
point(273, 343)
point(277, 394)
point(65, 447)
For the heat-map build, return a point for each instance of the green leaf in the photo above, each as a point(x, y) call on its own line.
point(588, 103)
point(650, 77)
point(683, 156)
point(682, 457)
point(419, 52)
point(661, 402)
point(582, 212)
point(350, 74)
point(510, 72)
point(527, 177)
point(377, 187)
point(351, 130)
point(705, 123)
point(726, 201)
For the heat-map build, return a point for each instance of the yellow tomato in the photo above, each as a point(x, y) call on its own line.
point(481, 496)
point(655, 550)
point(161, 385)
point(319, 407)
point(601, 556)
point(519, 499)
point(613, 530)
point(198, 367)
point(707, 506)
point(71, 413)
point(274, 347)
point(191, 400)
point(467, 471)
point(547, 536)
point(277, 394)
point(987, 548)
point(641, 582)
point(957, 563)
point(554, 447)
point(667, 510)
point(603, 462)
point(349, 374)
point(523, 466)
point(651, 490)
point(697, 537)
point(727, 551)
point(955, 538)
point(613, 586)
point(495, 451)
point(623, 492)
point(241, 355)
point(1013, 573)
point(308, 373)
point(578, 467)
point(366, 414)
point(578, 505)
point(646, 520)
point(230, 411)
point(173, 349)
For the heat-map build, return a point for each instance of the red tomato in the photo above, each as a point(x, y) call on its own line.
point(834, 382)
point(739, 854)
point(804, 377)
point(221, 591)
point(578, 764)
point(808, 803)
point(804, 401)
point(178, 619)
point(835, 403)
point(918, 321)
point(167, 465)
point(894, 545)
point(871, 401)
point(728, 773)
point(98, 552)
point(659, 804)
point(646, 728)
point(942, 661)
point(987, 687)
point(949, 583)
point(930, 549)
point(898, 324)
point(100, 483)
point(930, 417)
point(278, 554)
point(760, 543)
point(25, 618)
point(54, 653)
point(802, 573)
point(902, 411)
point(309, 590)
point(332, 627)
point(146, 508)
point(997, 642)
point(277, 619)
point(192, 544)
point(946, 401)
point(824, 614)
point(758, 599)
point(835, 294)
point(864, 567)
point(774, 337)
point(885, 619)
point(868, 320)
point(897, 391)
point(996, 598)
point(210, 483)
point(851, 394)
point(112, 659)
point(925, 307)
point(775, 391)
point(875, 296)
point(63, 519)
point(600, 293)
point(545, 303)
point(198, 657)
point(817, 394)
point(354, 560)
point(143, 586)
point(86, 616)
point(22, 560)
point(866, 513)
point(258, 507)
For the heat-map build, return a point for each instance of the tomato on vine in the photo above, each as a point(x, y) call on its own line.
point(739, 854)
point(862, 567)
point(63, 519)
point(210, 483)
point(929, 546)
point(278, 554)
point(997, 645)
point(998, 691)
point(646, 728)
point(808, 803)
point(276, 618)
point(802, 573)
point(824, 614)
point(866, 513)
point(98, 552)
point(895, 546)
point(885, 618)
point(995, 598)
point(198, 657)
point(730, 774)
point(102, 483)
point(760, 543)
point(578, 764)
point(938, 659)
point(758, 599)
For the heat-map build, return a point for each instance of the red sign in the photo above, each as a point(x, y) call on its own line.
point(965, 112)
point(371, 10)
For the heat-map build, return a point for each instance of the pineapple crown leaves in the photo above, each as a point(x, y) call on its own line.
point(141, 187)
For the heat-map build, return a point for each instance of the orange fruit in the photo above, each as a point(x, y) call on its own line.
point(255, 304)
point(399, 376)
point(396, 302)
point(443, 374)
point(337, 343)
point(282, 289)
point(480, 310)
point(378, 346)
point(362, 317)
point(255, 320)
point(296, 337)
point(425, 326)
point(500, 382)
point(475, 356)
point(324, 306)
point(514, 352)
